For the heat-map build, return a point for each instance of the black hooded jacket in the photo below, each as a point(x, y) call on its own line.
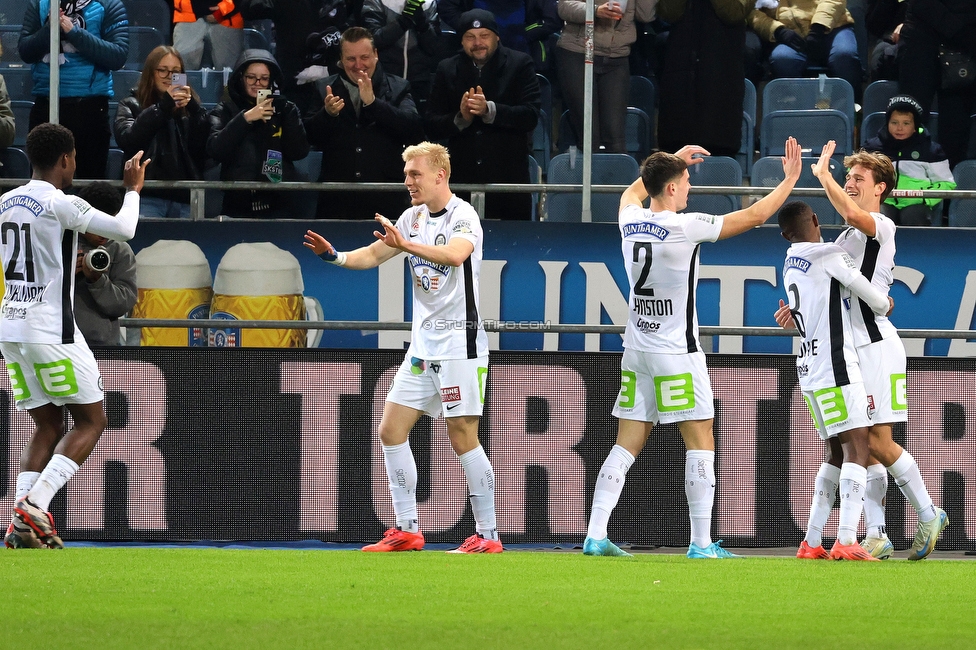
point(241, 147)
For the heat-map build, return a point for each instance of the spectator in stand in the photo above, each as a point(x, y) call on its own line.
point(102, 297)
point(529, 26)
point(168, 123)
point(809, 33)
point(485, 103)
point(366, 120)
point(256, 141)
point(703, 83)
point(307, 36)
point(197, 22)
point(884, 20)
point(94, 41)
point(8, 130)
point(407, 35)
point(930, 25)
point(613, 34)
point(920, 163)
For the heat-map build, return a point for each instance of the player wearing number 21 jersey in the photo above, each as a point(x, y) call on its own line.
point(663, 373)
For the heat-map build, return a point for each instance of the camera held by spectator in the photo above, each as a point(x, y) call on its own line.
point(98, 260)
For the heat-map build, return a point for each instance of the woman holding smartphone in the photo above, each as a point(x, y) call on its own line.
point(164, 118)
point(255, 135)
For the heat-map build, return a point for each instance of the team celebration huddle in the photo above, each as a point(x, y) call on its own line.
point(851, 363)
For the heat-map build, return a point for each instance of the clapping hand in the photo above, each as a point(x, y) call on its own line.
point(333, 103)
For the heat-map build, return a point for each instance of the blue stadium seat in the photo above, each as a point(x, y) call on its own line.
point(747, 144)
point(266, 27)
point(255, 40)
point(19, 83)
point(768, 172)
point(714, 170)
point(639, 133)
point(545, 94)
point(876, 96)
point(208, 84)
point(142, 41)
point(9, 36)
point(304, 203)
point(113, 168)
point(21, 111)
point(535, 176)
point(962, 212)
point(151, 13)
point(811, 128)
point(608, 169)
point(124, 82)
point(643, 95)
point(541, 143)
point(821, 93)
point(14, 163)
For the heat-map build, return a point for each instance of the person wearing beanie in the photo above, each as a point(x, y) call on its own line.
point(485, 102)
point(920, 163)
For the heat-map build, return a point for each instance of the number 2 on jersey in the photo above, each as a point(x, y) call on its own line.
point(639, 288)
point(11, 273)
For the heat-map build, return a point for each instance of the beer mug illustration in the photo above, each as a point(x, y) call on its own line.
point(258, 282)
point(174, 281)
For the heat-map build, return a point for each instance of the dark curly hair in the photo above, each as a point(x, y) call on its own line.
point(46, 143)
point(102, 196)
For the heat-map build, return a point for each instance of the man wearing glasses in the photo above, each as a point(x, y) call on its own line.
point(94, 41)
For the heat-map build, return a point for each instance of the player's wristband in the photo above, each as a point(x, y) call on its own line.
point(338, 258)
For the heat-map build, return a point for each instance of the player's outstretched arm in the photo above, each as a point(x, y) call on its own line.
point(845, 205)
point(366, 257)
point(453, 253)
point(756, 214)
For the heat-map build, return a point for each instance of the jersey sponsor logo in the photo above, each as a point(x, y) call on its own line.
point(648, 327)
point(451, 394)
point(849, 261)
point(81, 204)
point(646, 228)
point(428, 283)
point(797, 263)
point(674, 392)
point(462, 226)
point(832, 406)
point(21, 201)
point(707, 218)
point(899, 392)
point(420, 263)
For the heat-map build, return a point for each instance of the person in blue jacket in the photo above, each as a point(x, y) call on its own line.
point(94, 41)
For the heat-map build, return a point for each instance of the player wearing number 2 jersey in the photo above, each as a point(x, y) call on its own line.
point(48, 362)
point(446, 366)
point(663, 373)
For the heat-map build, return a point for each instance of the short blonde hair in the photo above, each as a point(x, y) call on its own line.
point(436, 155)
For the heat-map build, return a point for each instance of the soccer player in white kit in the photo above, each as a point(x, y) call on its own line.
point(870, 240)
point(824, 284)
point(48, 361)
point(446, 366)
point(663, 373)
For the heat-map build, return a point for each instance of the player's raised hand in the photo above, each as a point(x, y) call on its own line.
point(822, 166)
point(319, 244)
point(134, 174)
point(783, 316)
point(792, 162)
point(686, 152)
point(390, 235)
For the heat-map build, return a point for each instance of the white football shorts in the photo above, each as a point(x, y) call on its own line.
point(52, 373)
point(454, 387)
point(839, 409)
point(883, 368)
point(663, 388)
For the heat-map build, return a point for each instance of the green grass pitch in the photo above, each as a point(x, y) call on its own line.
point(217, 598)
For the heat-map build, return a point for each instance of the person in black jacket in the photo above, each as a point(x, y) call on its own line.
point(366, 120)
point(168, 123)
point(256, 141)
point(485, 101)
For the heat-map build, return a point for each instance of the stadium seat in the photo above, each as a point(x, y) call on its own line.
point(208, 84)
point(304, 203)
point(124, 82)
point(255, 40)
point(643, 96)
point(541, 143)
point(113, 109)
point(608, 169)
point(142, 41)
point(639, 133)
point(811, 128)
point(535, 176)
point(747, 145)
point(14, 163)
point(714, 170)
point(21, 111)
point(962, 212)
point(768, 172)
point(19, 82)
point(545, 94)
point(876, 96)
point(9, 37)
point(152, 13)
point(113, 169)
point(266, 27)
point(821, 93)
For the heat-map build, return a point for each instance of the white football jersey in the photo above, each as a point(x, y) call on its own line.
point(816, 276)
point(39, 226)
point(875, 257)
point(446, 319)
point(660, 252)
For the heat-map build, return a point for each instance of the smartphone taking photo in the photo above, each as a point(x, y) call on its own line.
point(179, 79)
